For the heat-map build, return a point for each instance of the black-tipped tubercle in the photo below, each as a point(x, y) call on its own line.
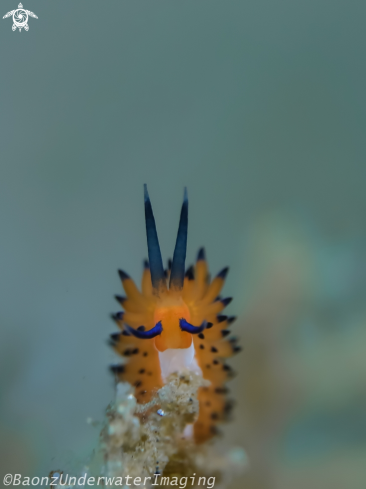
point(223, 273)
point(120, 299)
point(118, 316)
point(117, 369)
point(226, 301)
point(190, 273)
point(146, 264)
point(123, 275)
point(115, 337)
point(201, 255)
point(189, 328)
point(155, 260)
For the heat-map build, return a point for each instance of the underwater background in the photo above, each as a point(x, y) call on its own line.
point(259, 108)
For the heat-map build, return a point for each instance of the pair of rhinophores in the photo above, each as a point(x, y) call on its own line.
point(175, 322)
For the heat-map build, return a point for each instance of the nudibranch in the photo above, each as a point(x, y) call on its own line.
point(175, 322)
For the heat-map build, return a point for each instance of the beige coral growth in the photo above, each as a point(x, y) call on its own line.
point(153, 441)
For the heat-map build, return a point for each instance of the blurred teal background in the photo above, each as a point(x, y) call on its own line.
point(259, 108)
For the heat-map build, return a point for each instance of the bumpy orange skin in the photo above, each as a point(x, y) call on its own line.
point(169, 311)
point(196, 303)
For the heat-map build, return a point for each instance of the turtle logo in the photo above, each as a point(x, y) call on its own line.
point(20, 18)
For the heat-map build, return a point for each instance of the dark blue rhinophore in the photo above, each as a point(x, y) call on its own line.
point(179, 257)
point(189, 328)
point(140, 333)
point(155, 260)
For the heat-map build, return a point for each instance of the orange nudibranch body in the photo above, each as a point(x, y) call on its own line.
point(169, 311)
point(177, 310)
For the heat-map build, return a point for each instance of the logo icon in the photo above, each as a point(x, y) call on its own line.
point(20, 18)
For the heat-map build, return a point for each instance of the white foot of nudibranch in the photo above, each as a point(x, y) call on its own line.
point(177, 359)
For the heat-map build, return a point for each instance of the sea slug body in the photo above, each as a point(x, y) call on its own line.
point(174, 323)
